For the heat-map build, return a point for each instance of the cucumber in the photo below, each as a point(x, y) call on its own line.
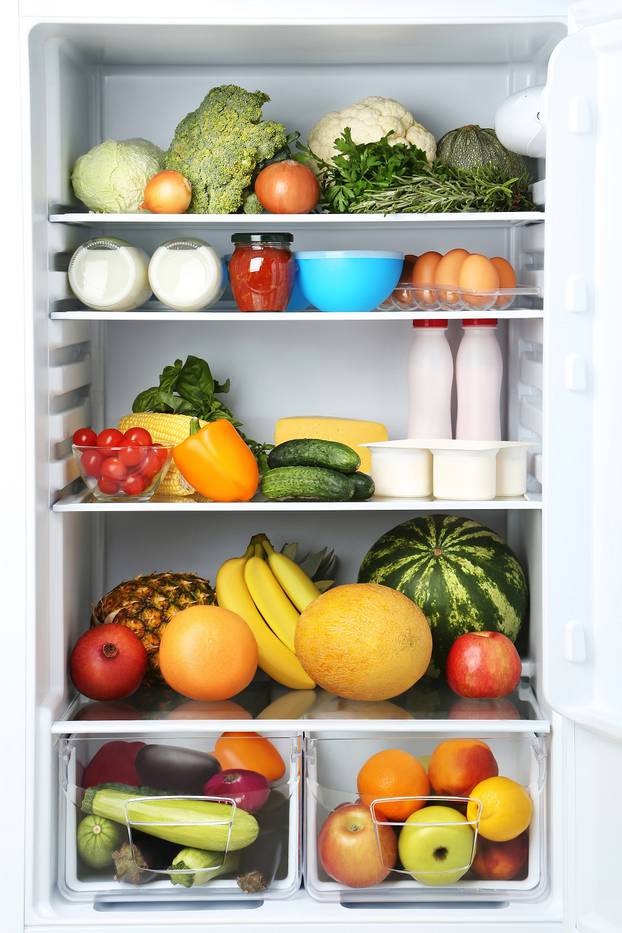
point(364, 487)
point(307, 483)
point(314, 453)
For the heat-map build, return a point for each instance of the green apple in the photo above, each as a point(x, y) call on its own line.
point(436, 845)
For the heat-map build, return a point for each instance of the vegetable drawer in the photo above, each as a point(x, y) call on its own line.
point(451, 863)
point(132, 808)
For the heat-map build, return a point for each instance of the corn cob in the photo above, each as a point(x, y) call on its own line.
point(164, 429)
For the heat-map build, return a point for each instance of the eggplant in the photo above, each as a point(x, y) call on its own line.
point(180, 770)
point(275, 813)
point(144, 852)
point(260, 862)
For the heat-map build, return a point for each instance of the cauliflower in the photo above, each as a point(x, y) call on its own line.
point(369, 121)
point(219, 145)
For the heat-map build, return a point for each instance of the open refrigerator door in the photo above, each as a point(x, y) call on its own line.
point(583, 636)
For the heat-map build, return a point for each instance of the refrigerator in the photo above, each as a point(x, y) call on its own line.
point(76, 74)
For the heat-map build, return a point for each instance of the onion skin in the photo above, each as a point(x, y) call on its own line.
point(167, 192)
point(287, 187)
point(249, 789)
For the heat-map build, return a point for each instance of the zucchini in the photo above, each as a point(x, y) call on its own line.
point(200, 824)
point(307, 484)
point(193, 867)
point(364, 487)
point(311, 452)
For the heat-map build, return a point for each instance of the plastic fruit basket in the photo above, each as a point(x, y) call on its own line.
point(114, 474)
point(280, 817)
point(452, 298)
point(332, 765)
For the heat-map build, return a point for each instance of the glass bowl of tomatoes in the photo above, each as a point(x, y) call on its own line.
point(116, 466)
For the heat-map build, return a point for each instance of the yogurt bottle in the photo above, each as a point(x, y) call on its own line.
point(108, 274)
point(187, 274)
point(430, 378)
point(479, 373)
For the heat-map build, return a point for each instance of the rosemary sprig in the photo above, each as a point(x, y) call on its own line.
point(380, 178)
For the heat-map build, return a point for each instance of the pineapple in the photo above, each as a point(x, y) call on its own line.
point(147, 603)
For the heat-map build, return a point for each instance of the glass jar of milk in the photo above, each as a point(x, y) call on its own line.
point(187, 274)
point(108, 274)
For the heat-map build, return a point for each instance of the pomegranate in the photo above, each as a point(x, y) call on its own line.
point(249, 789)
point(108, 662)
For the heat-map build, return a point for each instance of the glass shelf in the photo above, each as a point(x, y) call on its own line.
point(429, 706)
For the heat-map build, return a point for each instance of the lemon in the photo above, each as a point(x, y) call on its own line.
point(506, 808)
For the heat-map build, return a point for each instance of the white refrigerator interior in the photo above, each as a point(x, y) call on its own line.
point(122, 70)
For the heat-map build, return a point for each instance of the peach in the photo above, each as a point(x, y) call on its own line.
point(501, 861)
point(457, 765)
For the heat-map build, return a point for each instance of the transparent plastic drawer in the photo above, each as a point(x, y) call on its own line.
point(332, 766)
point(147, 830)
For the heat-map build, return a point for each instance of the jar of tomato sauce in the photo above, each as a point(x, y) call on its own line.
point(261, 271)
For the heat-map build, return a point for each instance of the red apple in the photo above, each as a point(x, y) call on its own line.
point(469, 708)
point(108, 662)
point(501, 861)
point(349, 850)
point(483, 664)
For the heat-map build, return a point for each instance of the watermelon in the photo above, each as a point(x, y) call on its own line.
point(462, 575)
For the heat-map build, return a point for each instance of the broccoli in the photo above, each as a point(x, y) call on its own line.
point(219, 145)
point(252, 204)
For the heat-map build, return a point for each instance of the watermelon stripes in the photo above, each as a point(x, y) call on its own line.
point(462, 575)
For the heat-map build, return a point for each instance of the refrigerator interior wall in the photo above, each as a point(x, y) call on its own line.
point(93, 81)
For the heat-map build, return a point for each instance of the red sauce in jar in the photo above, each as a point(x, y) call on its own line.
point(261, 271)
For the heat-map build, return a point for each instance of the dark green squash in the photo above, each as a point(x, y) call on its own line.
point(472, 146)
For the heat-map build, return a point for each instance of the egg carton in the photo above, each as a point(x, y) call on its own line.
point(449, 298)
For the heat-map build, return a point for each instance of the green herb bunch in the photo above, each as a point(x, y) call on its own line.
point(190, 389)
point(367, 178)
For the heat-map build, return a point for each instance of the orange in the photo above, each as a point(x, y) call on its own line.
point(393, 773)
point(506, 808)
point(208, 653)
point(250, 751)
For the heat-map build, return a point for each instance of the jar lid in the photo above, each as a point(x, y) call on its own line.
point(262, 238)
point(480, 322)
point(430, 322)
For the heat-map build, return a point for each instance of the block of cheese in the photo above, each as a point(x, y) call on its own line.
point(345, 430)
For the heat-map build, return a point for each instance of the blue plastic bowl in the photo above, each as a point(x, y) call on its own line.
point(348, 280)
point(297, 300)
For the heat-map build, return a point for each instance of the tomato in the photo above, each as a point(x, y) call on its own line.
point(162, 453)
point(92, 463)
point(112, 468)
point(131, 455)
point(287, 187)
point(151, 465)
point(85, 437)
point(134, 485)
point(108, 438)
point(108, 486)
point(139, 436)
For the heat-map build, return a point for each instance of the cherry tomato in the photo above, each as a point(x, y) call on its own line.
point(85, 437)
point(108, 486)
point(92, 463)
point(162, 453)
point(134, 485)
point(139, 436)
point(108, 438)
point(131, 455)
point(151, 465)
point(112, 468)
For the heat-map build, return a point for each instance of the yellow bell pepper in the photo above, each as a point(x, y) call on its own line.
point(218, 464)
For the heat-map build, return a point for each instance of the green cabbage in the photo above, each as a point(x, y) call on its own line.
point(111, 177)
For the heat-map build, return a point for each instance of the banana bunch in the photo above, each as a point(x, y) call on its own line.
point(269, 590)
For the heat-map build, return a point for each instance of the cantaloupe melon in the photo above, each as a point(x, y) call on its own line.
point(364, 641)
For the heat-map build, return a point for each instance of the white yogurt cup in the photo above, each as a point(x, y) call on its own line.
point(401, 473)
point(465, 474)
point(512, 469)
